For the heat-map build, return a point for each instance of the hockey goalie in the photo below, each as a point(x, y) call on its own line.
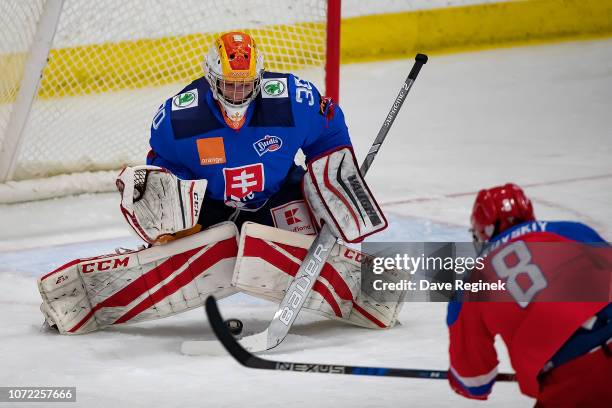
point(222, 160)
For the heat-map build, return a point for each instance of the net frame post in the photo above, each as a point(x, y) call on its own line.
point(28, 89)
point(332, 51)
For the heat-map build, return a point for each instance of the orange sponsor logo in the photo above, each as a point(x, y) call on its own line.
point(211, 151)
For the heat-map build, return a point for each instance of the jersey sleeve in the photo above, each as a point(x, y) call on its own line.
point(328, 127)
point(473, 359)
point(162, 152)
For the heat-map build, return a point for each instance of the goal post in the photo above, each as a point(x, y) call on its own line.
point(332, 50)
point(32, 72)
point(108, 65)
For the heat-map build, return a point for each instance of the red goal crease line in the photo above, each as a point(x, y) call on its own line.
point(473, 193)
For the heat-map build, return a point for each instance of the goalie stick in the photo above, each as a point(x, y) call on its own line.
point(252, 361)
point(317, 255)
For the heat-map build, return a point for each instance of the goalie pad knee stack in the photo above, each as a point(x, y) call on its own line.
point(338, 196)
point(89, 294)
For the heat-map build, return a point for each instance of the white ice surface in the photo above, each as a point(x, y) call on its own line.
point(538, 116)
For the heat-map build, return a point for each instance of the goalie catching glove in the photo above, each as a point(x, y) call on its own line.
point(157, 204)
point(338, 196)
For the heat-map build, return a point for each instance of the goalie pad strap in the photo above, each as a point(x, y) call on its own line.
point(89, 294)
point(338, 196)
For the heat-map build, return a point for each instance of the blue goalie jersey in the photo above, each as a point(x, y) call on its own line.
point(245, 167)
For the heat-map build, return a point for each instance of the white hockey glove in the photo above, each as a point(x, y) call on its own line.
point(338, 196)
point(156, 203)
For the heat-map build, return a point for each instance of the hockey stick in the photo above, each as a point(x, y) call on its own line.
point(319, 251)
point(252, 361)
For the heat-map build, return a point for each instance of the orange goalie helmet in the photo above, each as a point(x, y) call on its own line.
point(233, 68)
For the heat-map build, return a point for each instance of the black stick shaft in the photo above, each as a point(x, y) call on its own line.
point(252, 361)
point(420, 60)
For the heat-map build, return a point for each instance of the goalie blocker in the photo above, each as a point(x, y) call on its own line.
point(338, 196)
point(89, 294)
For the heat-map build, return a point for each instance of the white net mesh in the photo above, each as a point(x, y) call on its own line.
point(113, 62)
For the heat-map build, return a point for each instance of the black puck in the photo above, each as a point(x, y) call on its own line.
point(234, 326)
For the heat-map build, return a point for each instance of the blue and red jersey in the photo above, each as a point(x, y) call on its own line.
point(536, 333)
point(244, 167)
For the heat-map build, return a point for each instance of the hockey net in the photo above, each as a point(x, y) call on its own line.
point(110, 65)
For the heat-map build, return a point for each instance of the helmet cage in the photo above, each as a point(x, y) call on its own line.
point(230, 91)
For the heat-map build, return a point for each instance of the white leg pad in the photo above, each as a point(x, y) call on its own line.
point(89, 294)
point(268, 258)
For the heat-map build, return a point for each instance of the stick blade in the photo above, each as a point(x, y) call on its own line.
point(255, 342)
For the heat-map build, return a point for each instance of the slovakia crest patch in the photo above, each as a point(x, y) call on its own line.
point(267, 144)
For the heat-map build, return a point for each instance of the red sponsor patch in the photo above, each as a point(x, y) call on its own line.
point(241, 183)
point(293, 216)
